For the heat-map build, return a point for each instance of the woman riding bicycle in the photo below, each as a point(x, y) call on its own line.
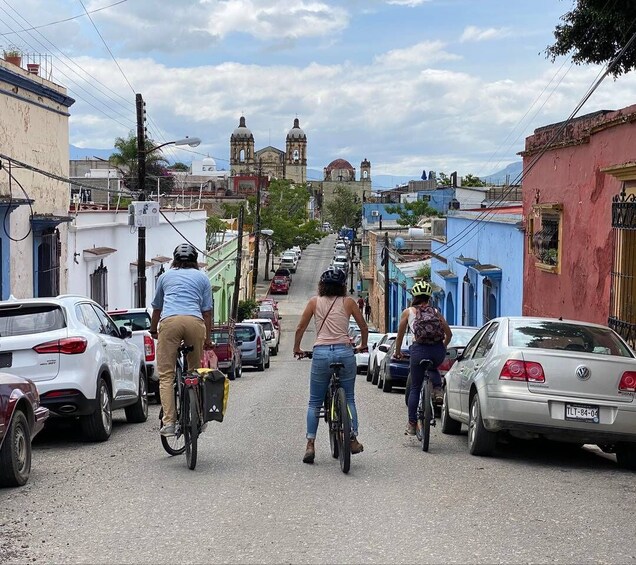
point(431, 335)
point(331, 311)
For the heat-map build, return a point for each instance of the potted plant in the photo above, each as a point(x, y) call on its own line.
point(12, 55)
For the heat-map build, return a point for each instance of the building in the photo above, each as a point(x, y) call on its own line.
point(340, 173)
point(579, 204)
point(34, 116)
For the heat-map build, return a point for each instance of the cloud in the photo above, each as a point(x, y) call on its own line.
point(417, 55)
point(473, 33)
point(409, 3)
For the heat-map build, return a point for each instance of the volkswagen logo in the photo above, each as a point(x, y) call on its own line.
point(582, 372)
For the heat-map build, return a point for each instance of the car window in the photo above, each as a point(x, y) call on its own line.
point(88, 317)
point(108, 326)
point(245, 333)
point(135, 320)
point(461, 336)
point(25, 319)
point(220, 336)
point(472, 344)
point(485, 343)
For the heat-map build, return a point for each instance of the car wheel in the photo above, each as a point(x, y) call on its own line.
point(626, 455)
point(387, 383)
point(376, 375)
point(268, 363)
point(99, 425)
point(231, 374)
point(261, 365)
point(15, 455)
point(275, 350)
point(369, 374)
point(238, 373)
point(449, 426)
point(480, 440)
point(138, 412)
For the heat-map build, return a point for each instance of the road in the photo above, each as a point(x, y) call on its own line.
point(252, 500)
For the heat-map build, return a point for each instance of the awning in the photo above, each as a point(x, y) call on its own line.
point(41, 222)
point(96, 253)
point(161, 259)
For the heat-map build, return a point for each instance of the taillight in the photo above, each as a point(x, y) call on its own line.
point(149, 348)
point(445, 366)
point(58, 393)
point(258, 345)
point(628, 382)
point(66, 346)
point(518, 370)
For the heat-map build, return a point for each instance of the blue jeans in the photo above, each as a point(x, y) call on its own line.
point(319, 383)
point(435, 353)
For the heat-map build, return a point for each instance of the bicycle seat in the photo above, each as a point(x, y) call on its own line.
point(336, 365)
point(427, 363)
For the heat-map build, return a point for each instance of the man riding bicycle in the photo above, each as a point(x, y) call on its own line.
point(431, 335)
point(331, 310)
point(182, 308)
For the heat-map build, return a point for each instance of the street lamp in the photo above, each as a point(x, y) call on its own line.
point(142, 152)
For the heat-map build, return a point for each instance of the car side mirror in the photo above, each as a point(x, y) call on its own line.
point(125, 332)
point(384, 348)
point(454, 354)
point(239, 343)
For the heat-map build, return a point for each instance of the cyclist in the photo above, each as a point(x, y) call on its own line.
point(331, 311)
point(182, 308)
point(431, 335)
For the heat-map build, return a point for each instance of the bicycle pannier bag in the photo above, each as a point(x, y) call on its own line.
point(216, 388)
point(427, 326)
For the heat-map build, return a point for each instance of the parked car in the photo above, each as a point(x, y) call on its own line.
point(535, 377)
point(376, 354)
point(272, 334)
point(21, 418)
point(284, 272)
point(268, 301)
point(461, 336)
point(341, 263)
point(288, 260)
point(227, 351)
point(81, 363)
point(272, 315)
point(298, 251)
point(254, 349)
point(138, 321)
point(394, 372)
point(279, 285)
point(362, 359)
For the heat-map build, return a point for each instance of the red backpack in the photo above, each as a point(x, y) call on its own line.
point(427, 326)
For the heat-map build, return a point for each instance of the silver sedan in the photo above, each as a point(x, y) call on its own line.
point(535, 377)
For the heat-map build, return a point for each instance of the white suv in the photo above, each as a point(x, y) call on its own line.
point(272, 335)
point(80, 362)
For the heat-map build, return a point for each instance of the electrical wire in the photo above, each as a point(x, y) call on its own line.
point(8, 208)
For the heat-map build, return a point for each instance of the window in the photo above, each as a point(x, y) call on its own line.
point(47, 273)
point(99, 285)
point(88, 317)
point(490, 292)
point(545, 234)
point(30, 319)
point(107, 325)
point(486, 343)
point(472, 344)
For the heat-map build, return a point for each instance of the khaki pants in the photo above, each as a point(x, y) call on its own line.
point(172, 331)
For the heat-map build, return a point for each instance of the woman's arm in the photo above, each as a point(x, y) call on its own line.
point(404, 322)
point(448, 334)
point(303, 323)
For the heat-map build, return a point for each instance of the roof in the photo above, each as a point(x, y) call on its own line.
point(296, 132)
point(339, 164)
point(411, 269)
point(99, 251)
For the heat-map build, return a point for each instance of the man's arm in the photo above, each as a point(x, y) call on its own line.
point(207, 320)
point(154, 322)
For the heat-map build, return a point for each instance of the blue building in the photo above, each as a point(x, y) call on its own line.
point(479, 267)
point(372, 212)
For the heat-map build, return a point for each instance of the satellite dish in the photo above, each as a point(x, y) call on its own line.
point(398, 243)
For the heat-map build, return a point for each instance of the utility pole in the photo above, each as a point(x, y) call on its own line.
point(239, 260)
point(386, 282)
point(257, 229)
point(353, 252)
point(141, 182)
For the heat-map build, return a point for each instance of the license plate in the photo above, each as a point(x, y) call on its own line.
point(582, 413)
point(6, 360)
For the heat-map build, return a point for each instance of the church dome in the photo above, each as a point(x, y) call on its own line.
point(296, 132)
point(340, 164)
point(208, 164)
point(242, 131)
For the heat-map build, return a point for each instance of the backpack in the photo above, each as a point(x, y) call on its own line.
point(427, 326)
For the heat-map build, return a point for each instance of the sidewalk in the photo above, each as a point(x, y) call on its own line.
point(262, 289)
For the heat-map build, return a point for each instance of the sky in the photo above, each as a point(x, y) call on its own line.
point(410, 85)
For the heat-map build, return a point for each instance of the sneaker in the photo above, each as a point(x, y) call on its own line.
point(310, 452)
point(410, 429)
point(167, 430)
point(438, 395)
point(356, 446)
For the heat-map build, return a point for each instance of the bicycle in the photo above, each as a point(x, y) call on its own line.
point(337, 415)
point(189, 407)
point(425, 408)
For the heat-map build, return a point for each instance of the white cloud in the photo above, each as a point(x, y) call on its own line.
point(417, 55)
point(409, 3)
point(474, 33)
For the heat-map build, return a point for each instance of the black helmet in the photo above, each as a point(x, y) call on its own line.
point(334, 275)
point(185, 252)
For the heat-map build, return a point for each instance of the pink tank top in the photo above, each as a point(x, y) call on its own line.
point(335, 329)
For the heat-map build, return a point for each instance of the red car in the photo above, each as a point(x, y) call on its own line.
point(279, 285)
point(21, 418)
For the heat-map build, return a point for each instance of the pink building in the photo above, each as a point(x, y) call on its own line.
point(579, 203)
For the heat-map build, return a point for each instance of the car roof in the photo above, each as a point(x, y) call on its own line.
point(552, 320)
point(257, 320)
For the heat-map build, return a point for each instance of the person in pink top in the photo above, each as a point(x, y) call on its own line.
point(331, 311)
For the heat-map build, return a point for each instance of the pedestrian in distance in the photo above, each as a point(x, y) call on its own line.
point(361, 303)
point(182, 311)
point(331, 311)
point(367, 309)
point(431, 335)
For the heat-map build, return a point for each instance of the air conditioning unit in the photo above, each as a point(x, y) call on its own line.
point(145, 213)
point(374, 213)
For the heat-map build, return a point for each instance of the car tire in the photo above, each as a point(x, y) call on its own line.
point(369, 374)
point(231, 374)
point(238, 372)
point(480, 440)
point(138, 412)
point(626, 456)
point(376, 376)
point(261, 365)
point(387, 383)
point(268, 363)
point(450, 427)
point(15, 455)
point(99, 425)
point(275, 351)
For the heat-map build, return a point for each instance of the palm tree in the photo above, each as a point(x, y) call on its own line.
point(125, 161)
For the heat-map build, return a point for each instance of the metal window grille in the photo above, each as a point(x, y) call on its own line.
point(99, 285)
point(48, 266)
point(487, 291)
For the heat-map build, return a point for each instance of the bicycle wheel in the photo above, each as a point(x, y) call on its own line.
point(333, 432)
point(427, 413)
point(174, 445)
point(190, 426)
point(344, 431)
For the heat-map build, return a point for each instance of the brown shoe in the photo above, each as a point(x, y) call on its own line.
point(356, 446)
point(310, 452)
point(410, 429)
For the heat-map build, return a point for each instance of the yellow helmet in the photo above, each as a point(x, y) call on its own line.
point(421, 288)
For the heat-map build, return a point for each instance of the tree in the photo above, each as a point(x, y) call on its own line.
point(595, 31)
point(178, 166)
point(411, 212)
point(471, 180)
point(214, 226)
point(443, 179)
point(345, 209)
point(424, 273)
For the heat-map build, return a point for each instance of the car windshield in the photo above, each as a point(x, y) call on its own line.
point(280, 280)
point(245, 333)
point(564, 336)
point(220, 336)
point(25, 319)
point(267, 314)
point(461, 336)
point(135, 321)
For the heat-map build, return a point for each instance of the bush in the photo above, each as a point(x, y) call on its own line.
point(245, 309)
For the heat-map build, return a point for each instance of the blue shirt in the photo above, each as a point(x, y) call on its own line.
point(183, 292)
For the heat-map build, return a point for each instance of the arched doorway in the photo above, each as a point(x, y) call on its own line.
point(450, 309)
